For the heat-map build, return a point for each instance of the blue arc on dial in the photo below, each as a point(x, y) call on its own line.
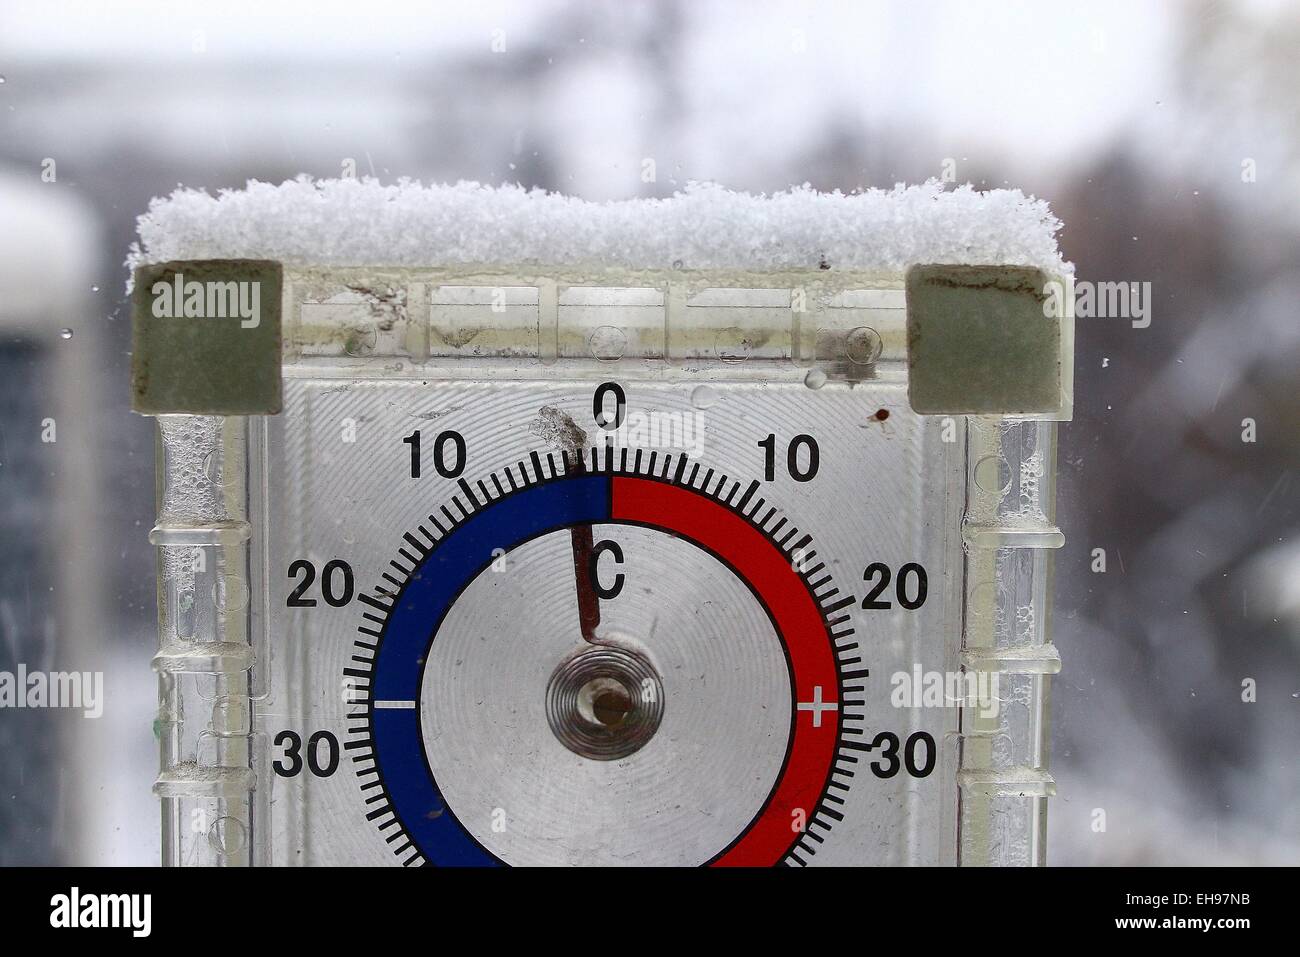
point(399, 663)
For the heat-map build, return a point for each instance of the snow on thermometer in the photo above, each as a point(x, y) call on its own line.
point(500, 528)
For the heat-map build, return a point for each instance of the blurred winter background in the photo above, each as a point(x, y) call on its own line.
point(1166, 136)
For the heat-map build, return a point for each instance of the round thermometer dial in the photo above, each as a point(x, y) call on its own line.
point(619, 558)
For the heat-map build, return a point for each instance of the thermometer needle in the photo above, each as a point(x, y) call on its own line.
point(588, 603)
point(570, 436)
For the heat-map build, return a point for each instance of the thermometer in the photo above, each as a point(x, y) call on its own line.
point(529, 564)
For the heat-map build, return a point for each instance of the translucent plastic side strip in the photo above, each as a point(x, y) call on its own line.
point(1009, 531)
point(204, 654)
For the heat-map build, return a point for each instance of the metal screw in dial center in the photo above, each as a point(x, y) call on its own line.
point(604, 703)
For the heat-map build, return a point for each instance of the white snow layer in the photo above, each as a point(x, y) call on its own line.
point(350, 222)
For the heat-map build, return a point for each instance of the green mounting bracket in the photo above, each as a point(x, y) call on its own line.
point(988, 340)
point(206, 337)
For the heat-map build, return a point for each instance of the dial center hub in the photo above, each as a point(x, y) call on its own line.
point(605, 702)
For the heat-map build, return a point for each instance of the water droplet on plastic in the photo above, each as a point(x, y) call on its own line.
point(703, 396)
point(863, 345)
point(677, 264)
point(360, 342)
point(94, 289)
point(815, 379)
point(227, 836)
point(608, 343)
point(212, 467)
point(65, 333)
point(993, 475)
point(230, 594)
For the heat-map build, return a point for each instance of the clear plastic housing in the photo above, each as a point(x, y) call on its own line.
point(261, 694)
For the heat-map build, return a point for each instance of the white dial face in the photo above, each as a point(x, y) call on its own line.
point(613, 621)
point(699, 779)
